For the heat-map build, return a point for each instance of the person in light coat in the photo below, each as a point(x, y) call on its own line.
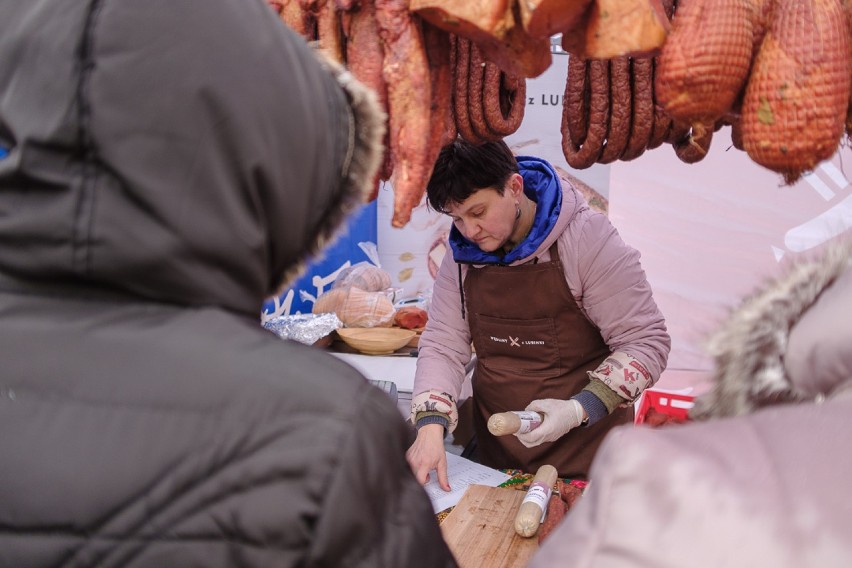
point(555, 304)
point(759, 475)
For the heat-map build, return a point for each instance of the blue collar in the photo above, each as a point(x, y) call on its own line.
point(542, 185)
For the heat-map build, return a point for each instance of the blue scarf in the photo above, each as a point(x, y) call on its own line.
point(542, 185)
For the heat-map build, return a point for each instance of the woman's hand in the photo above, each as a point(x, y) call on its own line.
point(560, 417)
point(428, 453)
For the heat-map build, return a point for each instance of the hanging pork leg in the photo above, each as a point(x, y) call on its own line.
point(405, 69)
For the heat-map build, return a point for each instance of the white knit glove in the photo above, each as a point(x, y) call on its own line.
point(560, 416)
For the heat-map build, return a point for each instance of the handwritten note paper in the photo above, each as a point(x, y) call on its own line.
point(461, 473)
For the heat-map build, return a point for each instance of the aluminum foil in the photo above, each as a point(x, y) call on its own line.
point(304, 328)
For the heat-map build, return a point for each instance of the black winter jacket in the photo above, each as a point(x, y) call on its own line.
point(167, 163)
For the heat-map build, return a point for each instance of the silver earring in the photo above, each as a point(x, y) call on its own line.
point(517, 211)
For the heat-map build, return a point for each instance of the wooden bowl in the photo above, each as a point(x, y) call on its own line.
point(414, 342)
point(376, 340)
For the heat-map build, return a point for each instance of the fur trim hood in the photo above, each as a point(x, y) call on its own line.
point(749, 349)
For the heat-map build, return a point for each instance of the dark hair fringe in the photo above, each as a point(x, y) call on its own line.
point(463, 168)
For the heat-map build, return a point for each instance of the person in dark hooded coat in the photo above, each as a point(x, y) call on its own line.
point(164, 168)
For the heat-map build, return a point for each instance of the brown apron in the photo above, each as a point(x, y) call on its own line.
point(532, 341)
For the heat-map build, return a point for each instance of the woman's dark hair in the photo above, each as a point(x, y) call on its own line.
point(463, 168)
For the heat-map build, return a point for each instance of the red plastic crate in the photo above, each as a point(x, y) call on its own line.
point(671, 404)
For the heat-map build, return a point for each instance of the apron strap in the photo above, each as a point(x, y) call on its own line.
point(461, 290)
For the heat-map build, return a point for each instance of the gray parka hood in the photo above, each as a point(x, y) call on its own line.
point(169, 163)
point(223, 179)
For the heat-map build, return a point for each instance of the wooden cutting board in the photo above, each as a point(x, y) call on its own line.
point(480, 532)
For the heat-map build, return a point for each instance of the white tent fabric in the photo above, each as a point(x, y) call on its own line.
point(711, 232)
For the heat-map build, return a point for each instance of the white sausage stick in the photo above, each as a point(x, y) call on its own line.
point(534, 506)
point(516, 421)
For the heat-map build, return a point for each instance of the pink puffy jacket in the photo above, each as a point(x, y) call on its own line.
point(763, 480)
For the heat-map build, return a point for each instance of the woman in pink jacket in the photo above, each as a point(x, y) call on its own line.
point(555, 305)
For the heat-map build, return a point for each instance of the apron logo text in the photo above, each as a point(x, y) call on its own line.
point(516, 341)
